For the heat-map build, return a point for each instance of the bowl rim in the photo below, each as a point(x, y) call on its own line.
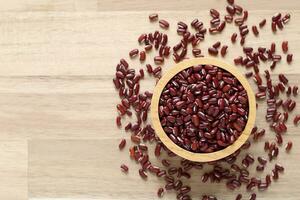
point(202, 157)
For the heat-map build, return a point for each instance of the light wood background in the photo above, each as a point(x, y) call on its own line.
point(57, 104)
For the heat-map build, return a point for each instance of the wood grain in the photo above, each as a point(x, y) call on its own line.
point(57, 105)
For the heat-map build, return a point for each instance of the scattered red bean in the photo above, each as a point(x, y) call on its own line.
point(289, 58)
point(262, 23)
point(285, 46)
point(160, 192)
point(224, 50)
point(296, 119)
point(143, 174)
point(233, 37)
point(212, 51)
point(255, 30)
point(124, 168)
point(133, 53)
point(214, 13)
point(288, 146)
point(153, 17)
point(164, 24)
point(122, 144)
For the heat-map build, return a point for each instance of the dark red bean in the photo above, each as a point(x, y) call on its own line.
point(142, 38)
point(133, 53)
point(283, 79)
point(233, 37)
point(252, 196)
point(255, 30)
point(262, 23)
point(224, 50)
point(285, 46)
point(228, 18)
point(245, 15)
point(276, 17)
point(212, 51)
point(215, 22)
point(273, 26)
point(153, 17)
point(288, 146)
point(296, 119)
point(242, 41)
point(197, 52)
point(230, 9)
point(158, 59)
point(260, 168)
point(124, 168)
point(279, 167)
point(118, 121)
point(142, 56)
point(214, 13)
point(148, 47)
point(164, 24)
point(286, 18)
point(216, 45)
point(239, 197)
point(143, 174)
point(160, 192)
point(289, 58)
point(221, 26)
point(122, 144)
point(149, 68)
point(157, 150)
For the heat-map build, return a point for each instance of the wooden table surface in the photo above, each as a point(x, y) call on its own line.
point(57, 106)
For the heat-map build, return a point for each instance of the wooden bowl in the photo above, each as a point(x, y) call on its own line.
point(202, 157)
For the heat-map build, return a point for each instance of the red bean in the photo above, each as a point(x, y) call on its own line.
point(153, 17)
point(276, 17)
point(142, 56)
point(133, 53)
point(228, 18)
point(288, 146)
point(216, 45)
point(158, 59)
point(285, 46)
point(160, 192)
point(212, 51)
point(289, 58)
point(262, 23)
point(255, 30)
point(239, 197)
point(124, 168)
point(164, 24)
point(143, 174)
point(296, 119)
point(214, 13)
point(286, 18)
point(197, 52)
point(273, 26)
point(233, 37)
point(252, 196)
point(149, 68)
point(230, 9)
point(118, 121)
point(283, 79)
point(122, 144)
point(224, 50)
